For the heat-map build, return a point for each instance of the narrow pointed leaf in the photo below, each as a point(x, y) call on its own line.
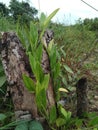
point(33, 36)
point(29, 83)
point(64, 112)
point(47, 21)
point(53, 115)
point(45, 81)
point(50, 17)
point(60, 122)
point(68, 69)
point(42, 19)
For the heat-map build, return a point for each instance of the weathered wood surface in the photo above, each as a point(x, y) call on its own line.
point(82, 100)
point(48, 36)
point(16, 63)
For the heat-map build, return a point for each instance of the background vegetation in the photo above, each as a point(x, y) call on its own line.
point(77, 47)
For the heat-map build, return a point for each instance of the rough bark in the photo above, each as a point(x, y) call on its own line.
point(16, 63)
point(82, 101)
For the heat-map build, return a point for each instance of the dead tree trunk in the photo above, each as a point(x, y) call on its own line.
point(48, 36)
point(15, 63)
point(82, 101)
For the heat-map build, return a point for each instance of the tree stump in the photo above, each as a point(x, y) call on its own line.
point(48, 36)
point(82, 101)
point(16, 63)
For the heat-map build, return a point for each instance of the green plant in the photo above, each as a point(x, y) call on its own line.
point(35, 55)
point(30, 40)
point(77, 53)
point(4, 121)
point(78, 50)
point(31, 125)
point(64, 119)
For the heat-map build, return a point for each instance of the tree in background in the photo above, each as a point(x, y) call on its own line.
point(91, 24)
point(4, 11)
point(22, 11)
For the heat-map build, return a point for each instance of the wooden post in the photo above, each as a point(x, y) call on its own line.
point(82, 101)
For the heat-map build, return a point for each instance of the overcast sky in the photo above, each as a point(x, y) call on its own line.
point(70, 10)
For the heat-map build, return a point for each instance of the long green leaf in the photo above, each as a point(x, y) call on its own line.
point(32, 63)
point(63, 112)
point(39, 52)
point(33, 36)
point(36, 68)
point(46, 22)
point(29, 83)
point(60, 122)
point(56, 70)
point(42, 19)
point(39, 72)
point(21, 36)
point(52, 115)
point(45, 81)
point(40, 96)
point(50, 17)
point(68, 69)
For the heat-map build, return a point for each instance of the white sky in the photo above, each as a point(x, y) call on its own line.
point(70, 10)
